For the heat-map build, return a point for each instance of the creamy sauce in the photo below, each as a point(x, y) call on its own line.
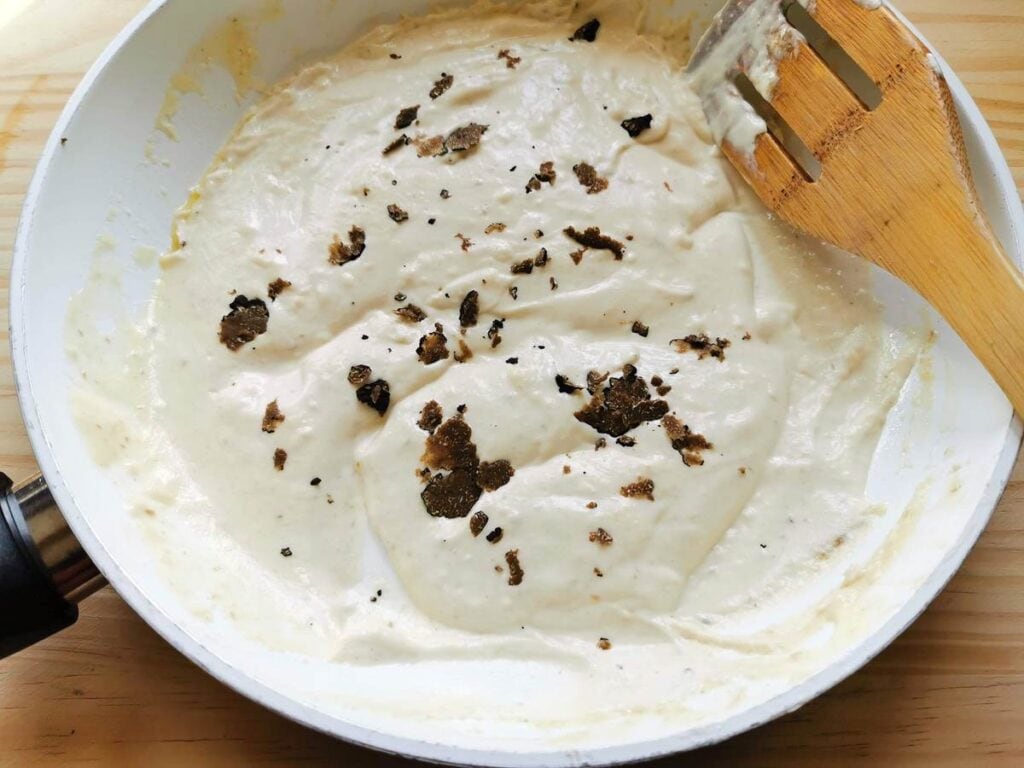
point(738, 579)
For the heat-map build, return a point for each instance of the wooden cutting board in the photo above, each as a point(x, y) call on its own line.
point(109, 692)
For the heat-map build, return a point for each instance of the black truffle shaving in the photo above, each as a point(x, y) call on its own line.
point(634, 126)
point(376, 395)
point(587, 33)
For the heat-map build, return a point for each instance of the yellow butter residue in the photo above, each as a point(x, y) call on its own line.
point(177, 243)
point(229, 46)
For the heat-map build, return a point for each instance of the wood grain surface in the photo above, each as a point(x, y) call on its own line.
point(110, 692)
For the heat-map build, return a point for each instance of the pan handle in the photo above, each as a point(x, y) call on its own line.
point(44, 572)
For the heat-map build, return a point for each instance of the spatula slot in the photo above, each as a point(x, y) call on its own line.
point(838, 60)
point(788, 139)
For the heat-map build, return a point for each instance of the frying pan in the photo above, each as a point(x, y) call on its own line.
point(106, 171)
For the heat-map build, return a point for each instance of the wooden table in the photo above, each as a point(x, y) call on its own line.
point(110, 692)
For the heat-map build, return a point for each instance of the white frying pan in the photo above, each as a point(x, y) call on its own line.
point(96, 162)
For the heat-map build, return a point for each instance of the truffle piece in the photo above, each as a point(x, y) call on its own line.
point(565, 386)
point(542, 259)
point(601, 537)
point(465, 138)
point(397, 144)
point(622, 406)
point(431, 417)
point(272, 418)
point(523, 267)
point(546, 175)
point(465, 354)
point(451, 447)
point(466, 242)
point(595, 380)
point(277, 287)
point(591, 237)
point(469, 311)
point(442, 85)
point(685, 442)
point(376, 395)
point(411, 314)
point(587, 33)
point(495, 228)
point(432, 146)
point(604, 643)
point(341, 254)
point(510, 61)
point(494, 333)
point(359, 375)
point(626, 441)
point(396, 214)
point(640, 329)
point(451, 496)
point(493, 475)
point(643, 488)
point(634, 126)
point(246, 320)
point(433, 347)
point(478, 522)
point(703, 346)
point(280, 457)
point(407, 117)
point(515, 570)
point(589, 178)
point(495, 536)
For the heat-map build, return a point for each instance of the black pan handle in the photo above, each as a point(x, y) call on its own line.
point(44, 572)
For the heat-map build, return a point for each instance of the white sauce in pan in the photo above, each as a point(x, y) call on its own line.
point(723, 588)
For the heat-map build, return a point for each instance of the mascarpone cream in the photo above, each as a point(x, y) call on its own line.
point(490, 209)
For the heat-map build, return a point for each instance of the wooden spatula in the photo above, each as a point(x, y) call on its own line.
point(895, 186)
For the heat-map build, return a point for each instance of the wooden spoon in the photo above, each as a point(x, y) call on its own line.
point(895, 185)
